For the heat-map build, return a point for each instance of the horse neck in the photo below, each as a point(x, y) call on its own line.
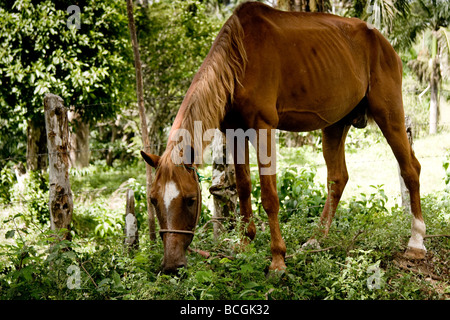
point(196, 126)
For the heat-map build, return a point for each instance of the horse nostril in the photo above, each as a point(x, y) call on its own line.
point(169, 270)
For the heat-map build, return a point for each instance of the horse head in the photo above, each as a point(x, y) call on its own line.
point(176, 197)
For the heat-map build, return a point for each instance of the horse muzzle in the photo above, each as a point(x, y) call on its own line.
point(171, 267)
point(175, 246)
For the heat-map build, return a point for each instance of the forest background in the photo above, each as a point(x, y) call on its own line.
point(92, 69)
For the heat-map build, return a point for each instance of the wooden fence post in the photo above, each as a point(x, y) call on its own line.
point(406, 203)
point(60, 202)
point(131, 228)
point(140, 98)
point(223, 184)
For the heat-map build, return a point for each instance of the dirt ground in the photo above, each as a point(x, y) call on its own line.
point(435, 269)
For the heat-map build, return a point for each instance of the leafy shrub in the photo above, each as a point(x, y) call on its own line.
point(358, 279)
point(31, 269)
point(297, 191)
point(362, 138)
point(33, 194)
point(446, 166)
point(107, 222)
point(361, 210)
point(140, 201)
point(6, 182)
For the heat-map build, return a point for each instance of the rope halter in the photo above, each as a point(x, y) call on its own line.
point(199, 207)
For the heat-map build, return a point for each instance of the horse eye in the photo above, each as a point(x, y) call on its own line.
point(190, 201)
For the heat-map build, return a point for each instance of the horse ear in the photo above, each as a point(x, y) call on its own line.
point(151, 159)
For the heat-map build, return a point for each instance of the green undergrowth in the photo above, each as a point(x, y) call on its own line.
point(360, 259)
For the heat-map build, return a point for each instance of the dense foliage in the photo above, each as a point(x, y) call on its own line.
point(175, 37)
point(92, 69)
point(361, 257)
point(40, 54)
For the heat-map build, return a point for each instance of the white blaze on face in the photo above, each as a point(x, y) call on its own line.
point(171, 192)
point(417, 234)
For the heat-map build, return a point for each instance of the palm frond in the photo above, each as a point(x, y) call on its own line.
point(443, 38)
point(421, 66)
point(383, 13)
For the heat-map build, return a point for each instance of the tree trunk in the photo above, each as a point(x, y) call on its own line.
point(434, 97)
point(142, 116)
point(291, 5)
point(301, 5)
point(36, 145)
point(434, 107)
point(114, 130)
point(223, 186)
point(434, 86)
point(79, 141)
point(406, 202)
point(60, 202)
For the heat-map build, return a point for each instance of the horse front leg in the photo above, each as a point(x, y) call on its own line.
point(244, 189)
point(269, 196)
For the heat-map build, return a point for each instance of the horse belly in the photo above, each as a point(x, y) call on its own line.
point(317, 100)
point(319, 90)
point(301, 121)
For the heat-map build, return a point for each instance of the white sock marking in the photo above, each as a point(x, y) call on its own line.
point(417, 233)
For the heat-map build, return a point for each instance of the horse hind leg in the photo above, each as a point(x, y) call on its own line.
point(387, 111)
point(333, 142)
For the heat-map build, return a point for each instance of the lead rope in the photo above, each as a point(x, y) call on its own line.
point(199, 198)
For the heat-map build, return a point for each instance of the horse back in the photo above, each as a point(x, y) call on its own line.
point(312, 68)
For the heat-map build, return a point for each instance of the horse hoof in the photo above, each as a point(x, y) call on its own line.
point(311, 244)
point(415, 253)
point(275, 274)
point(243, 245)
point(278, 268)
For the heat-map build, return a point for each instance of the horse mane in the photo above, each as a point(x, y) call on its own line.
point(214, 84)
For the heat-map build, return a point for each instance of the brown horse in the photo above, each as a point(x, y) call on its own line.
point(269, 69)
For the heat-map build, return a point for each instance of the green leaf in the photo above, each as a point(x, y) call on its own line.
point(27, 273)
point(70, 255)
point(246, 268)
point(252, 285)
point(204, 276)
point(10, 234)
point(224, 260)
point(117, 282)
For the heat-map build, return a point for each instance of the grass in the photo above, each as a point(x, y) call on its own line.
point(376, 165)
point(363, 260)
